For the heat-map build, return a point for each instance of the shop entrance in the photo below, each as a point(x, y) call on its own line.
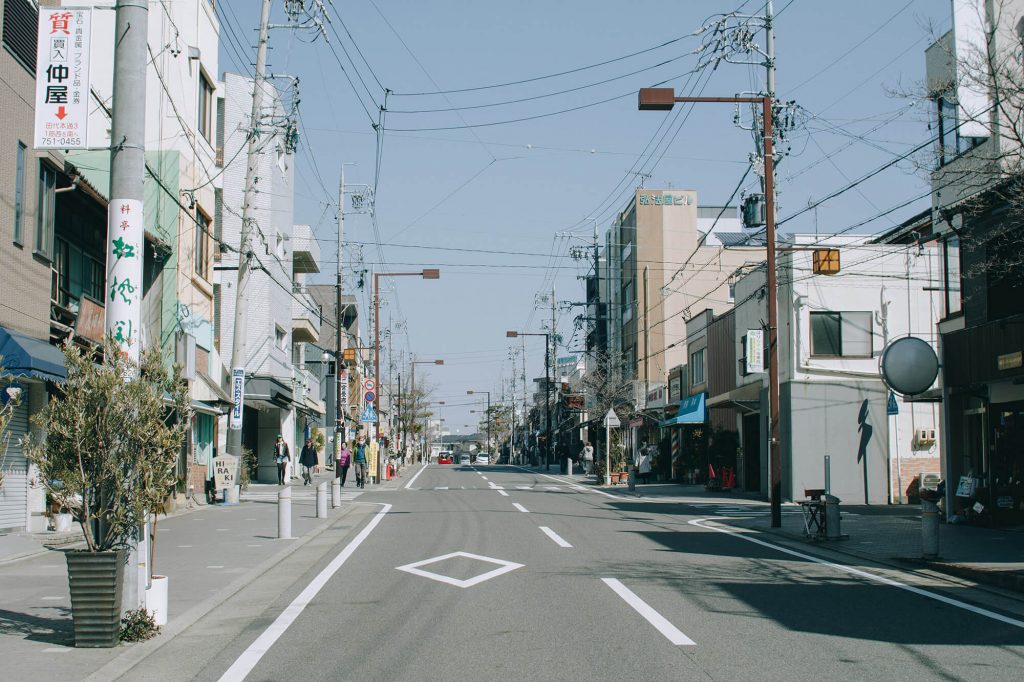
point(1007, 467)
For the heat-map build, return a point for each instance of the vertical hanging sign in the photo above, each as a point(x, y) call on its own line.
point(124, 274)
point(237, 398)
point(62, 78)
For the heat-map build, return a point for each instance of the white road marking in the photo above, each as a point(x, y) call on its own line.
point(661, 624)
point(441, 487)
point(520, 507)
point(503, 493)
point(483, 477)
point(503, 567)
point(244, 664)
point(554, 536)
point(413, 479)
point(864, 574)
point(57, 650)
point(184, 546)
point(254, 545)
point(51, 598)
point(592, 490)
point(223, 529)
point(523, 487)
point(215, 567)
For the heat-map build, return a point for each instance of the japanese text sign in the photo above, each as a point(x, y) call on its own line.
point(123, 288)
point(62, 78)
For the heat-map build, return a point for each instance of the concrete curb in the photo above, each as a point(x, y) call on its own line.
point(134, 655)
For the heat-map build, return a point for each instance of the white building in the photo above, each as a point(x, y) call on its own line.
point(832, 330)
point(280, 392)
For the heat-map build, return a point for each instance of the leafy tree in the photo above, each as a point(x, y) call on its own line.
point(112, 441)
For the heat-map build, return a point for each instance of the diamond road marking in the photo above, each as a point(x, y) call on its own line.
point(503, 567)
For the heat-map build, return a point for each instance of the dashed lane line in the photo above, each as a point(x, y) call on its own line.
point(520, 507)
point(555, 537)
point(660, 623)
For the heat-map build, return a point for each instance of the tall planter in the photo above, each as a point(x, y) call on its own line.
point(96, 580)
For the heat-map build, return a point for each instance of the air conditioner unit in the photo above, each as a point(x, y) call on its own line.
point(924, 437)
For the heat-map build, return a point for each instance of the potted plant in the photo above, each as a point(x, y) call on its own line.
point(112, 441)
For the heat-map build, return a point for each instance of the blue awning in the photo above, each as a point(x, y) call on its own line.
point(691, 411)
point(24, 356)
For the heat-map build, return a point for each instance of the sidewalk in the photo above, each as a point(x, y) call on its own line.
point(208, 554)
point(889, 534)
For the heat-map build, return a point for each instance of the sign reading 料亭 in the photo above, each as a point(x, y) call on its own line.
point(62, 78)
point(225, 472)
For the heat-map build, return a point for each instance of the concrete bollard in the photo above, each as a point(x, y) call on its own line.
point(929, 529)
point(632, 478)
point(231, 496)
point(568, 466)
point(335, 493)
point(284, 513)
point(321, 500)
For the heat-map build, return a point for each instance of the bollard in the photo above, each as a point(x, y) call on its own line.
point(632, 478)
point(231, 496)
point(284, 513)
point(321, 500)
point(832, 518)
point(929, 528)
point(568, 465)
point(335, 493)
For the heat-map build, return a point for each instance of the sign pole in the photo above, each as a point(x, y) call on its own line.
point(607, 453)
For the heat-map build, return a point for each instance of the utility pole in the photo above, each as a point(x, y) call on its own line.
point(549, 363)
point(340, 376)
point(125, 222)
point(238, 340)
point(774, 449)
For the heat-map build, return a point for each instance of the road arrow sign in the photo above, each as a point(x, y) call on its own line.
point(368, 414)
point(611, 419)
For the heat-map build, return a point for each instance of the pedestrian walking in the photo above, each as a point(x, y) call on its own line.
point(643, 464)
point(359, 460)
point(281, 457)
point(344, 460)
point(588, 458)
point(308, 460)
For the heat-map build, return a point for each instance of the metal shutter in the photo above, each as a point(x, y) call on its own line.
point(21, 24)
point(14, 494)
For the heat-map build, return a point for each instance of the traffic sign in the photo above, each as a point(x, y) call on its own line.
point(891, 407)
point(369, 396)
point(611, 419)
point(368, 414)
point(369, 384)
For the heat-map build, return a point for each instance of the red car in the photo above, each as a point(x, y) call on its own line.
point(444, 457)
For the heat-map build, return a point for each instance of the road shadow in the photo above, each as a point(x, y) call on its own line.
point(58, 629)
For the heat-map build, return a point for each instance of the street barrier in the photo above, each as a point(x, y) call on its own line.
point(335, 493)
point(929, 528)
point(321, 500)
point(284, 513)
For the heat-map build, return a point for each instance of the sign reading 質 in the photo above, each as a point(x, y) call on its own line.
point(225, 471)
point(62, 78)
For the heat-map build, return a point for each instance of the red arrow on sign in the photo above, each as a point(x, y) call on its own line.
point(61, 113)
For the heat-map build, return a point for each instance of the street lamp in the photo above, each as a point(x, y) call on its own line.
point(471, 392)
point(412, 390)
point(547, 387)
point(426, 273)
point(663, 99)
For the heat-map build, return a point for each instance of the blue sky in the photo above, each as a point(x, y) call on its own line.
point(537, 187)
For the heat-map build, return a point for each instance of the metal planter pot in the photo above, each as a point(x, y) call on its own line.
point(96, 580)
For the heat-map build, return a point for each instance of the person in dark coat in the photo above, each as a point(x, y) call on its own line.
point(308, 460)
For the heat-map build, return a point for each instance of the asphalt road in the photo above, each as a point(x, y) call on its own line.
point(536, 578)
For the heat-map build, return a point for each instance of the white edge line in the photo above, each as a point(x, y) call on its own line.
point(661, 624)
point(503, 493)
point(244, 664)
point(555, 537)
point(413, 479)
point(869, 576)
point(520, 507)
point(591, 490)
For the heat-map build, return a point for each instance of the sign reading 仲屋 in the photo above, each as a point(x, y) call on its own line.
point(225, 471)
point(123, 293)
point(237, 397)
point(62, 78)
point(755, 351)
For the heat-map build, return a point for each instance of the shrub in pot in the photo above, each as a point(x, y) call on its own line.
point(112, 440)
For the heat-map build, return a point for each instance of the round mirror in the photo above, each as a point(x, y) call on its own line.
point(909, 365)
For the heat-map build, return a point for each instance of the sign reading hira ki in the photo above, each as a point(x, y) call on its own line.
point(665, 199)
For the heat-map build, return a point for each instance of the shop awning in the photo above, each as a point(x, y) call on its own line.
point(207, 408)
point(25, 356)
point(207, 390)
point(691, 411)
point(746, 398)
